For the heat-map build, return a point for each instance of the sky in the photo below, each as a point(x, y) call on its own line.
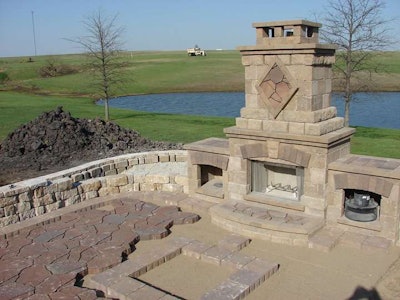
point(150, 24)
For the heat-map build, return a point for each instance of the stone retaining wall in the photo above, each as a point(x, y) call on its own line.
point(34, 197)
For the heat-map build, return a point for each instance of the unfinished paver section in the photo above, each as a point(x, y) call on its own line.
point(123, 281)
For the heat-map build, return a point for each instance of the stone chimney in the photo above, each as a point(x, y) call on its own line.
point(288, 80)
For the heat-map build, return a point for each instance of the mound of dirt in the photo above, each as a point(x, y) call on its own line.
point(55, 140)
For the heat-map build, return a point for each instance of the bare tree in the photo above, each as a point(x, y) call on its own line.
point(102, 45)
point(359, 30)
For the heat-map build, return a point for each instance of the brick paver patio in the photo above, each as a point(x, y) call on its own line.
point(47, 261)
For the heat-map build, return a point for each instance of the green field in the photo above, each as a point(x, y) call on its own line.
point(26, 94)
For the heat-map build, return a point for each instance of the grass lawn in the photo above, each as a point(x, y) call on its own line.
point(26, 94)
point(17, 109)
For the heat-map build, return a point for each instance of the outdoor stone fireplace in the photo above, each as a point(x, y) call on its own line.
point(278, 160)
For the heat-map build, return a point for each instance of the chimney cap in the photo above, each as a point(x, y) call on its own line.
point(286, 23)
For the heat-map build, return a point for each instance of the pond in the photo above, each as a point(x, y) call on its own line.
point(368, 109)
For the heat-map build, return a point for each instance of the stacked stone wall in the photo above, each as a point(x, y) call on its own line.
point(34, 197)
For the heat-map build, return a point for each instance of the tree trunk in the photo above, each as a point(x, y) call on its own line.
point(347, 100)
point(106, 111)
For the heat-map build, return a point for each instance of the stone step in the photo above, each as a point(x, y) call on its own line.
point(325, 239)
point(264, 223)
point(328, 237)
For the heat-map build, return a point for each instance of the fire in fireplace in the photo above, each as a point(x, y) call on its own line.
point(277, 180)
point(361, 206)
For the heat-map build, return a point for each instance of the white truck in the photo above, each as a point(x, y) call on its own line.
point(196, 51)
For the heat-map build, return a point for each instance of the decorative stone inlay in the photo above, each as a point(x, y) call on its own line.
point(276, 88)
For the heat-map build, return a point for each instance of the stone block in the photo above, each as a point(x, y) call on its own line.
point(234, 242)
point(40, 210)
point(9, 210)
point(133, 161)
point(352, 239)
point(227, 290)
point(90, 185)
point(9, 220)
point(236, 260)
point(124, 287)
point(215, 255)
point(276, 126)
point(77, 177)
point(181, 180)
point(69, 193)
point(296, 128)
point(254, 113)
point(151, 159)
point(73, 200)
point(139, 178)
point(6, 201)
point(45, 200)
point(157, 179)
point(23, 207)
point(238, 177)
point(108, 167)
point(173, 188)
point(111, 172)
point(236, 188)
point(254, 124)
point(302, 59)
point(129, 188)
point(90, 195)
point(149, 187)
point(318, 175)
point(27, 214)
point(180, 158)
point(52, 207)
point(252, 60)
point(96, 172)
point(163, 157)
point(63, 184)
point(241, 123)
point(121, 164)
point(111, 190)
point(117, 180)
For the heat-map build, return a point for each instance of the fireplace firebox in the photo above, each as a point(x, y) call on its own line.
point(277, 180)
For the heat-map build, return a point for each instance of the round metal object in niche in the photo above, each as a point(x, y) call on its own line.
point(218, 184)
point(361, 208)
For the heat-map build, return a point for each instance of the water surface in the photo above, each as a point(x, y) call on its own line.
point(368, 109)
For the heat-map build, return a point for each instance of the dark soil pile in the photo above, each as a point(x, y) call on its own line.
point(55, 141)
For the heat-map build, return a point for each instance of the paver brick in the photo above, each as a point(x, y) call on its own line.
point(195, 249)
point(234, 242)
point(236, 260)
point(102, 280)
point(67, 266)
point(229, 290)
point(123, 288)
point(215, 255)
point(263, 267)
point(146, 292)
point(247, 277)
point(34, 275)
point(15, 290)
point(54, 282)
